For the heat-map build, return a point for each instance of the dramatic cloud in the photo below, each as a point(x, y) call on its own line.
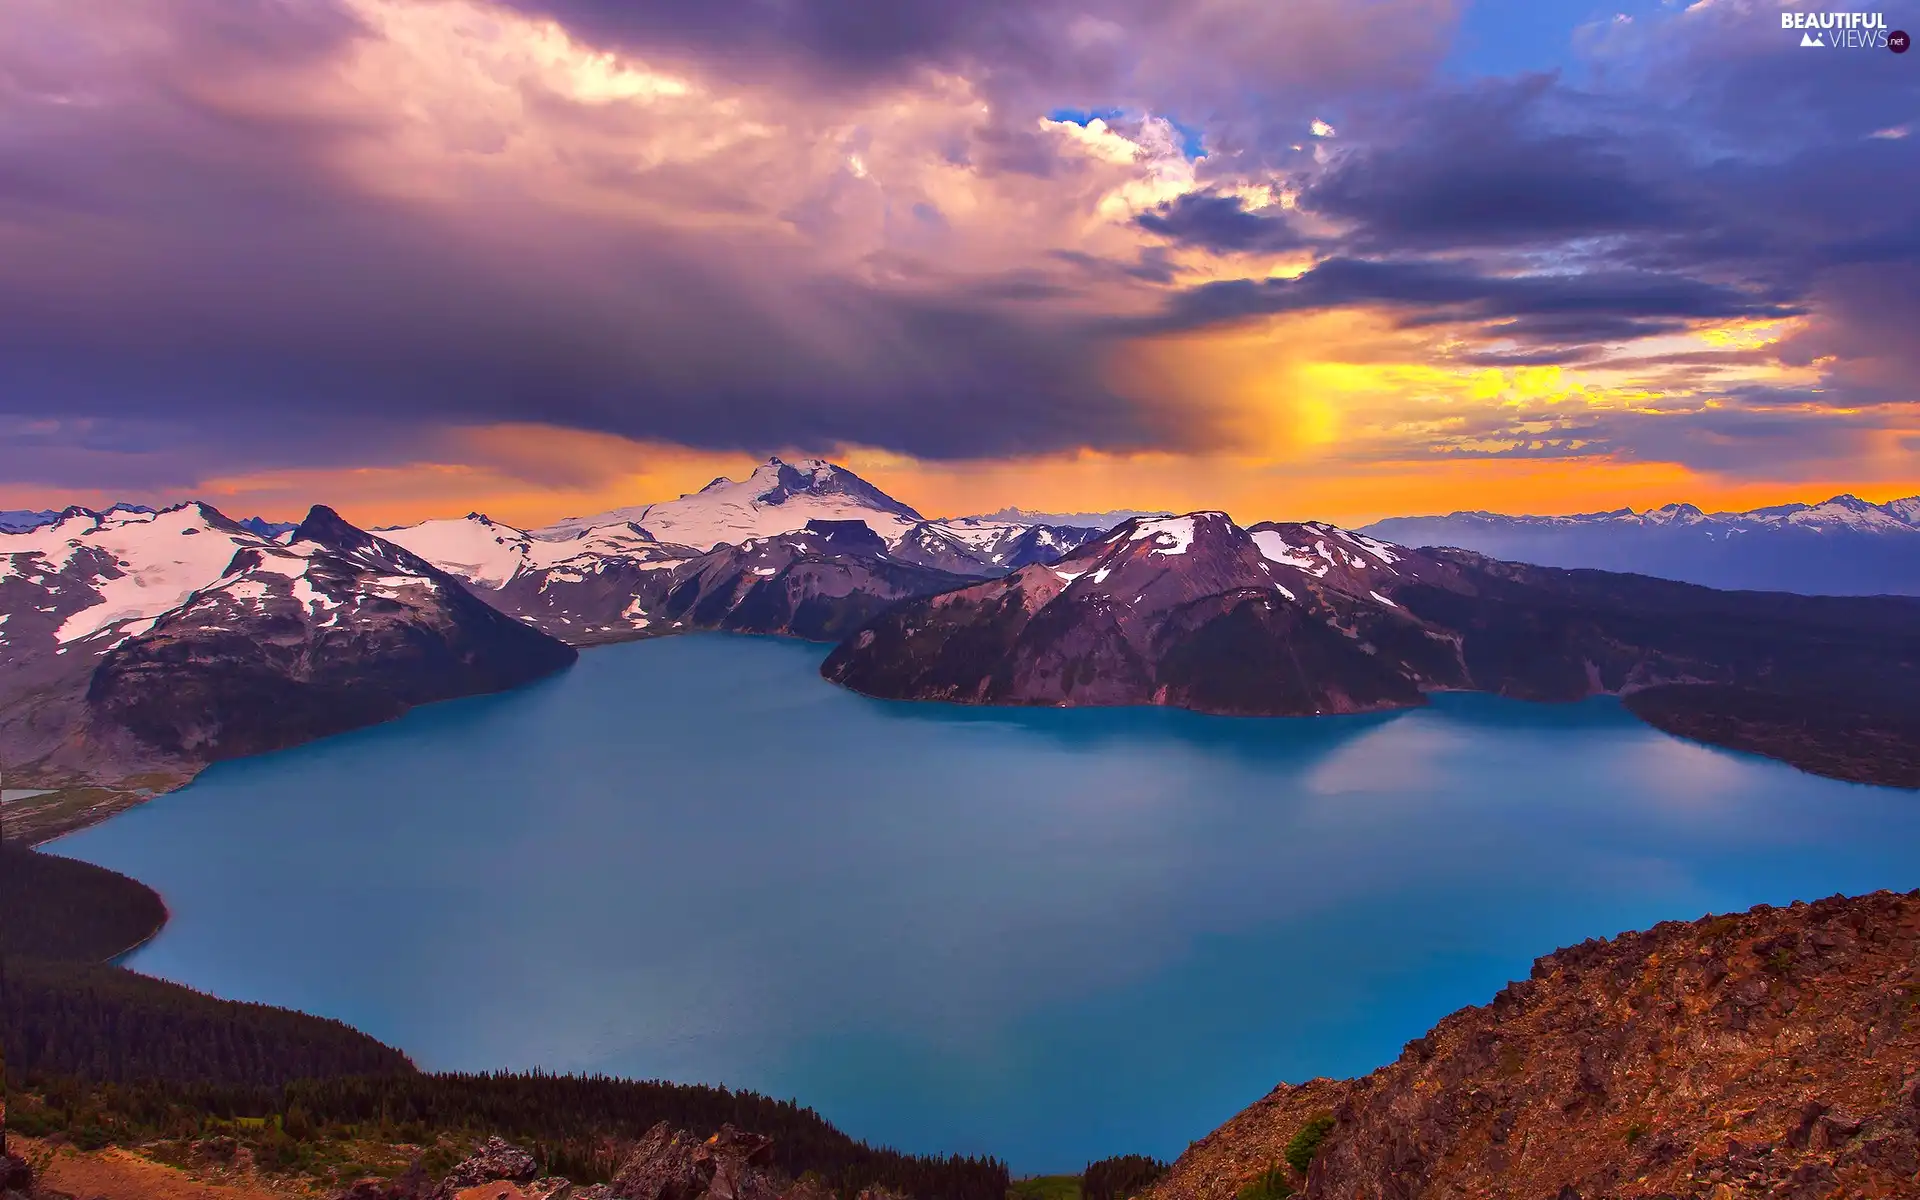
point(297, 239)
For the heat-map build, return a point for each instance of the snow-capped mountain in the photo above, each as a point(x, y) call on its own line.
point(778, 497)
point(593, 579)
point(979, 546)
point(820, 583)
point(490, 554)
point(1197, 612)
point(1841, 546)
point(1192, 611)
point(610, 583)
point(153, 642)
point(782, 497)
point(88, 574)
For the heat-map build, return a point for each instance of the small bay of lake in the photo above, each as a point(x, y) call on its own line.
point(1049, 935)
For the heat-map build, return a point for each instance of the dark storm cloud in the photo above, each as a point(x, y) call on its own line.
point(630, 340)
point(1220, 223)
point(1588, 306)
point(1486, 168)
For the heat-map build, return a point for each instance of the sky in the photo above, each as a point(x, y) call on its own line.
point(1333, 259)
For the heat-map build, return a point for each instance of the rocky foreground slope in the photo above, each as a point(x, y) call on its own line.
point(1774, 1053)
point(1198, 612)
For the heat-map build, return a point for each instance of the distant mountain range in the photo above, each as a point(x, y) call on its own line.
point(1089, 520)
point(20, 520)
point(1840, 547)
point(136, 646)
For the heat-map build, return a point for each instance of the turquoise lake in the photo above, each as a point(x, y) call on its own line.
point(1050, 935)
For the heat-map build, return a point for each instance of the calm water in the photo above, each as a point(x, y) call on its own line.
point(1051, 935)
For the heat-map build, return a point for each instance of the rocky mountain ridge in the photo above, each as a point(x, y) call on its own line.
point(1189, 611)
point(1197, 612)
point(1770, 1053)
point(141, 646)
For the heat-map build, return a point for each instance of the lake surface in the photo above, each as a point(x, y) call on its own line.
point(1050, 935)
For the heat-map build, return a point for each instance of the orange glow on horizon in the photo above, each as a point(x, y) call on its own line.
point(534, 475)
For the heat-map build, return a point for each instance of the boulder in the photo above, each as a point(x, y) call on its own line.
point(495, 1161)
point(670, 1164)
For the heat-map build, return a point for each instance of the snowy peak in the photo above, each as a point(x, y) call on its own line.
point(986, 546)
point(778, 497)
point(89, 572)
point(472, 547)
point(776, 482)
point(1850, 512)
point(1673, 514)
point(491, 554)
point(1164, 559)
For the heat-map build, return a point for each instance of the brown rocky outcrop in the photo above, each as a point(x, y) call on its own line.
point(494, 1161)
point(1773, 1053)
point(672, 1164)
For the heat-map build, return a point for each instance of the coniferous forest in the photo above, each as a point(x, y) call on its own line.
point(1120, 1177)
point(61, 908)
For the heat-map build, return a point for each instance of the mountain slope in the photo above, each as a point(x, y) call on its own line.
point(1842, 546)
point(1292, 619)
point(1771, 1053)
point(142, 646)
point(590, 586)
point(820, 583)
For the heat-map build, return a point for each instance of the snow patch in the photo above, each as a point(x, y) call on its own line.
point(1179, 531)
point(1275, 548)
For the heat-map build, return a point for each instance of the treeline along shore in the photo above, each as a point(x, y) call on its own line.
point(98, 1054)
